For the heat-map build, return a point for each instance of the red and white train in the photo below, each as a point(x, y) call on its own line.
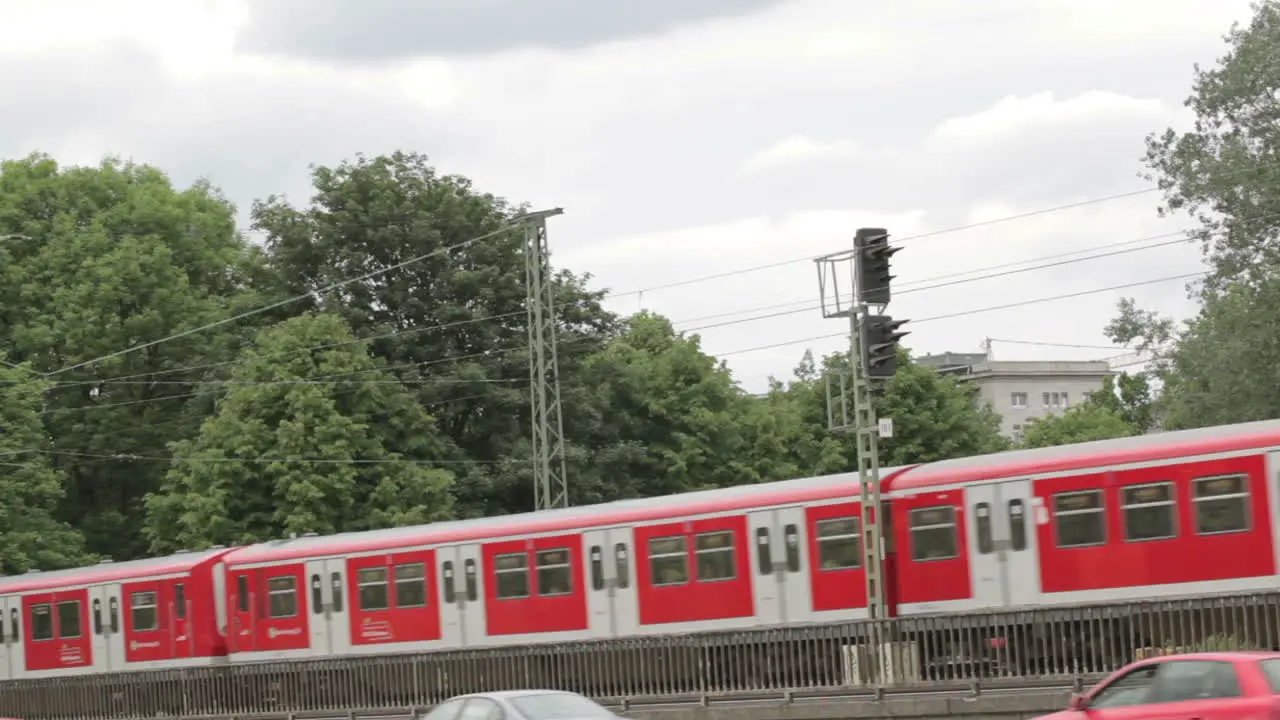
point(1173, 514)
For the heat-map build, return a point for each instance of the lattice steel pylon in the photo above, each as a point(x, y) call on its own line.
point(863, 423)
point(550, 479)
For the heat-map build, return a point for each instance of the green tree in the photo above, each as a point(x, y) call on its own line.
point(312, 437)
point(31, 538)
point(1082, 423)
point(1129, 396)
point(100, 259)
point(1225, 173)
point(935, 417)
point(665, 417)
point(459, 315)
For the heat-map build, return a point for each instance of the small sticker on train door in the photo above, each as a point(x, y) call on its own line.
point(1041, 512)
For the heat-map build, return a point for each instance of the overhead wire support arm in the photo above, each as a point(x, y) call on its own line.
point(550, 475)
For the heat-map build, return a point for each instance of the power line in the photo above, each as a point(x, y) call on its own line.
point(314, 460)
point(932, 233)
point(1059, 345)
point(1181, 235)
point(965, 313)
point(287, 301)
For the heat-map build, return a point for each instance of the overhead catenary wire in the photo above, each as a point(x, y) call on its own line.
point(1180, 235)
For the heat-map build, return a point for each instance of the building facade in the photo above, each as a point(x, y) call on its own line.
point(1020, 390)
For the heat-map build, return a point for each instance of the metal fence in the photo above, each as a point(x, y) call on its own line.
point(1001, 648)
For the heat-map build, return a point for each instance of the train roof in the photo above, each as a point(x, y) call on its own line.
point(1099, 453)
point(106, 572)
point(739, 497)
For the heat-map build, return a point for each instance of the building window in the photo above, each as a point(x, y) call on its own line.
point(933, 533)
point(1045, 397)
point(1079, 518)
point(1221, 503)
point(1018, 400)
point(714, 551)
point(511, 576)
point(1019, 435)
point(411, 585)
point(142, 611)
point(839, 543)
point(1149, 512)
point(371, 585)
point(282, 597)
point(554, 575)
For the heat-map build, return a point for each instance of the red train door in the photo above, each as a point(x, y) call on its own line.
point(243, 627)
point(179, 622)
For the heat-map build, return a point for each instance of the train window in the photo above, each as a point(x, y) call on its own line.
point(597, 568)
point(446, 571)
point(622, 566)
point(317, 594)
point(371, 583)
point(41, 622)
point(764, 555)
point(554, 575)
point(180, 601)
point(714, 551)
point(282, 597)
point(1221, 503)
point(142, 611)
point(933, 533)
point(113, 607)
point(1017, 525)
point(411, 585)
point(839, 543)
point(335, 587)
point(68, 619)
point(473, 590)
point(982, 522)
point(669, 560)
point(13, 625)
point(791, 536)
point(242, 593)
point(511, 576)
point(1080, 518)
point(4, 638)
point(97, 616)
point(1149, 512)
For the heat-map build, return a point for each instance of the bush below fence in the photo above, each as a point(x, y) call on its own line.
point(1029, 646)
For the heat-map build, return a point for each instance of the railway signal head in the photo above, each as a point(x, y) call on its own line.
point(872, 246)
point(880, 336)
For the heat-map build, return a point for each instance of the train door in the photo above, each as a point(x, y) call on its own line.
point(242, 633)
point(8, 671)
point(339, 615)
point(601, 584)
point(1021, 571)
point(985, 562)
point(471, 596)
point(319, 608)
point(17, 644)
point(112, 632)
point(626, 600)
point(778, 561)
point(180, 621)
point(98, 639)
point(790, 564)
point(452, 596)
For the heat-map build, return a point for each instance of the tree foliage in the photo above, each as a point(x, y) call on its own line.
point(31, 537)
point(1225, 173)
point(311, 437)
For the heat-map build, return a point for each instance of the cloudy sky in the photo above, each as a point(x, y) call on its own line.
point(686, 139)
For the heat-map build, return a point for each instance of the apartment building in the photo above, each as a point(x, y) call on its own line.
point(1019, 390)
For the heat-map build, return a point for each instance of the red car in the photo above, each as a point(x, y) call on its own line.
point(1198, 686)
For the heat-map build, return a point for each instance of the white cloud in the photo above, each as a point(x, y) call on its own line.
point(722, 145)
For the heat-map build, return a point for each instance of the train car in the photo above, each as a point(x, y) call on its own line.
point(770, 554)
point(1156, 516)
point(111, 617)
